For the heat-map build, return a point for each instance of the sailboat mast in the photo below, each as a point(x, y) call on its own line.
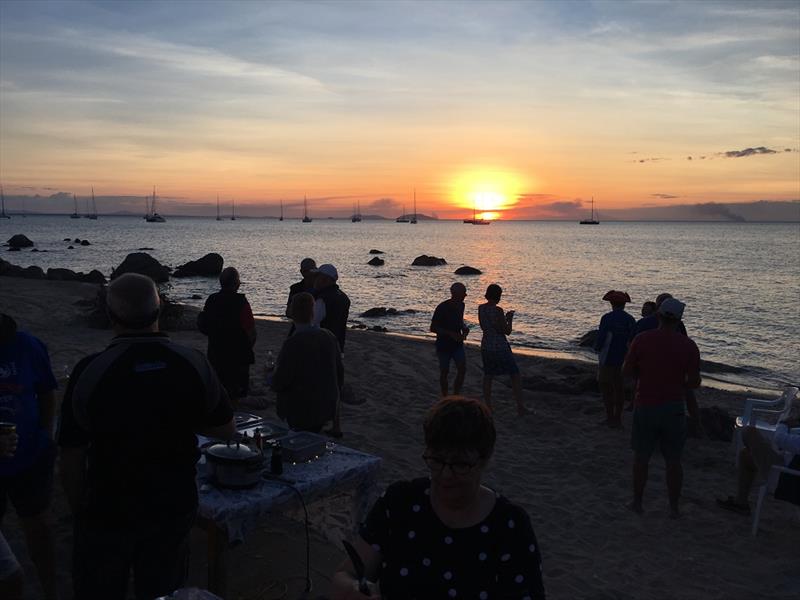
point(218, 218)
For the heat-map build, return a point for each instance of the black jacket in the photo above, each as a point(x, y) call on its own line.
point(337, 309)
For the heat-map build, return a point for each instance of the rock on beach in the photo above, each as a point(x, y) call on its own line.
point(19, 241)
point(376, 262)
point(467, 270)
point(144, 264)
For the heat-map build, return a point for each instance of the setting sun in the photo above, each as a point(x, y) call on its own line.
point(491, 192)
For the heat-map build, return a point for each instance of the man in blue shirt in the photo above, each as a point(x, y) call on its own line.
point(451, 331)
point(616, 328)
point(27, 400)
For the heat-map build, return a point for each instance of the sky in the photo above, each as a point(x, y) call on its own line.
point(520, 109)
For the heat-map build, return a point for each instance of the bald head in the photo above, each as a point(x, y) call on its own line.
point(133, 303)
point(458, 291)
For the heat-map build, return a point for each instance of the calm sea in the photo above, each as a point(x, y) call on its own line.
point(741, 281)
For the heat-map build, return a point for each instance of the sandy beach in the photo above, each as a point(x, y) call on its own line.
point(571, 475)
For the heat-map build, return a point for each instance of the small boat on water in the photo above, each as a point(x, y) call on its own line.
point(413, 220)
point(152, 216)
point(281, 217)
point(402, 218)
point(3, 214)
point(591, 220)
point(219, 218)
point(475, 220)
point(356, 218)
point(75, 214)
point(233, 209)
point(91, 213)
point(306, 218)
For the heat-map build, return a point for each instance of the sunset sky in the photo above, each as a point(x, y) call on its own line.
point(528, 108)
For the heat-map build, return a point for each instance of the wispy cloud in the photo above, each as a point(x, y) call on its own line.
point(749, 152)
point(664, 196)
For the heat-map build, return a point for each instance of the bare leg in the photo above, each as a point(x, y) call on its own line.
point(516, 389)
point(487, 390)
point(443, 373)
point(640, 467)
point(674, 485)
point(460, 372)
point(41, 547)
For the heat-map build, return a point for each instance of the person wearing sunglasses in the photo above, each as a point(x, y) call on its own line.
point(446, 535)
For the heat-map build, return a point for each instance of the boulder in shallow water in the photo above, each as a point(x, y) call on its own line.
point(376, 262)
point(588, 339)
point(14, 249)
point(378, 311)
point(85, 243)
point(67, 239)
point(19, 241)
point(77, 240)
point(373, 251)
point(208, 266)
point(70, 247)
point(466, 270)
point(144, 264)
point(428, 261)
point(379, 328)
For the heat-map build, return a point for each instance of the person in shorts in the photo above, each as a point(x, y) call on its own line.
point(451, 331)
point(616, 328)
point(666, 363)
point(27, 402)
point(495, 350)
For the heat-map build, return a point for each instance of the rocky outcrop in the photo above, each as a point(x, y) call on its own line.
point(85, 243)
point(466, 270)
point(19, 241)
point(373, 251)
point(144, 264)
point(93, 276)
point(9, 270)
point(376, 262)
point(428, 261)
point(378, 311)
point(588, 339)
point(62, 275)
point(208, 266)
point(32, 272)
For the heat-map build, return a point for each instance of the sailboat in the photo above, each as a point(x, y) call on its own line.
point(281, 217)
point(218, 217)
point(592, 220)
point(93, 214)
point(3, 214)
point(306, 218)
point(413, 220)
point(75, 214)
point(402, 218)
point(356, 218)
point(233, 209)
point(152, 216)
point(475, 220)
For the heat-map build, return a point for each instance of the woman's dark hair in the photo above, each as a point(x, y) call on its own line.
point(493, 292)
point(458, 423)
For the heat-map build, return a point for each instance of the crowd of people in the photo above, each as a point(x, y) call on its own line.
point(130, 479)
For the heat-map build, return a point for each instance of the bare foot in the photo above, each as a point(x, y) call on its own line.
point(635, 507)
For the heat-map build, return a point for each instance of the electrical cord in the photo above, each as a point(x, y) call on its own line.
point(277, 479)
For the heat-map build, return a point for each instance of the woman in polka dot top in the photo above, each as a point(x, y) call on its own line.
point(448, 536)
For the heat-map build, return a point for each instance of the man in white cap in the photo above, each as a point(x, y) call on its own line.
point(331, 309)
point(666, 363)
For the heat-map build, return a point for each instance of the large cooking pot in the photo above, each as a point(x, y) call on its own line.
point(234, 466)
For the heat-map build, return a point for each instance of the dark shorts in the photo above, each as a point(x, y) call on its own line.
point(457, 355)
point(663, 426)
point(499, 362)
point(30, 490)
point(105, 553)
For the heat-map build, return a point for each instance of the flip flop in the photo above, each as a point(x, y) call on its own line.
point(732, 505)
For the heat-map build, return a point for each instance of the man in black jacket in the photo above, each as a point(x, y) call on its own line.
point(227, 320)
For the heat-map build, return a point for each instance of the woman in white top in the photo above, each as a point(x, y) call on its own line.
point(495, 350)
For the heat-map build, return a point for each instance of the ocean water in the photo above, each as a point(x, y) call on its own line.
point(741, 281)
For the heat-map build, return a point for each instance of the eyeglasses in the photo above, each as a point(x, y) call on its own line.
point(459, 467)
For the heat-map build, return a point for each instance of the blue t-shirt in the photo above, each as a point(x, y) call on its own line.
point(24, 371)
point(616, 328)
point(448, 315)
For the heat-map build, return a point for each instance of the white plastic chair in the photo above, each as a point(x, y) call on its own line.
point(769, 486)
point(775, 411)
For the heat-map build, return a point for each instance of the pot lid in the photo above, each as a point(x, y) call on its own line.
point(235, 451)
